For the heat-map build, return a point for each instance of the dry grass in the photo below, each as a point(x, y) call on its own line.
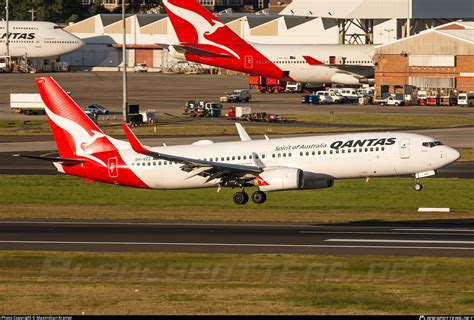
point(166, 283)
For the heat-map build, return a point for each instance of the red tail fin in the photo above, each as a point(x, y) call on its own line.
point(201, 33)
point(74, 132)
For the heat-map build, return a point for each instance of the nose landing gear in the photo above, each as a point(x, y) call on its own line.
point(418, 186)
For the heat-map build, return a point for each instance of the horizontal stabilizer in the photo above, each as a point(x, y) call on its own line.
point(66, 161)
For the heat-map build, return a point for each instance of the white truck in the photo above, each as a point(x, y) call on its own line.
point(27, 103)
point(466, 99)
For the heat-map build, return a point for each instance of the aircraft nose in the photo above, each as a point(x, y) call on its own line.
point(452, 154)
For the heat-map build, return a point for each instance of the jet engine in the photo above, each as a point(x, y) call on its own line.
point(317, 184)
point(280, 179)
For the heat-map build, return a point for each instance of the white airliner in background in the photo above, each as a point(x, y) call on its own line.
point(35, 39)
point(299, 163)
point(204, 39)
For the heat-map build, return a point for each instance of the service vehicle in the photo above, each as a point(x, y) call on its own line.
point(466, 99)
point(141, 67)
point(27, 103)
point(239, 96)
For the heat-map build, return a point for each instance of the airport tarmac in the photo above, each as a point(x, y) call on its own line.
point(391, 239)
point(167, 93)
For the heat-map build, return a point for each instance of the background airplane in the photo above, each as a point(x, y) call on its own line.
point(36, 39)
point(204, 39)
point(299, 163)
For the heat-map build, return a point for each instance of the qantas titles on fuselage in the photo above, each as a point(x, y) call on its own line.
point(35, 39)
point(270, 165)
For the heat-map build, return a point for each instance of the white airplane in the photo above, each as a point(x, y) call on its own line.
point(206, 40)
point(35, 39)
point(299, 163)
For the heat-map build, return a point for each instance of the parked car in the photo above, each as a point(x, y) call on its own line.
point(393, 101)
point(97, 109)
point(239, 96)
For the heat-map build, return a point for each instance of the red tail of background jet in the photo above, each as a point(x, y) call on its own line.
point(204, 39)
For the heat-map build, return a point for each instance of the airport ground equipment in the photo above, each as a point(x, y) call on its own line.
point(27, 103)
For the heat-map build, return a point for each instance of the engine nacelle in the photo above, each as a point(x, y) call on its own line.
point(317, 184)
point(280, 179)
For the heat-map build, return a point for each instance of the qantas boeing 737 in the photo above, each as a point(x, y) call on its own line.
point(206, 40)
point(299, 163)
point(36, 39)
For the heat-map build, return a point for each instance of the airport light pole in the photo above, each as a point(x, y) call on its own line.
point(124, 64)
point(7, 27)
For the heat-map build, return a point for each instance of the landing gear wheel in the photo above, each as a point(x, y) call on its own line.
point(259, 197)
point(240, 198)
point(418, 187)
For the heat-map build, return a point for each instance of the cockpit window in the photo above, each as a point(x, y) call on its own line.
point(57, 27)
point(432, 144)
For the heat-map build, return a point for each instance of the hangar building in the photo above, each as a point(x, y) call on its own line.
point(440, 58)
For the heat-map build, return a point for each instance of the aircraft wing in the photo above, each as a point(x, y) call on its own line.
point(366, 71)
point(195, 49)
point(210, 169)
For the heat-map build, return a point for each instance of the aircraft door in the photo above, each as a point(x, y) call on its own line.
point(113, 167)
point(38, 42)
point(248, 62)
point(404, 148)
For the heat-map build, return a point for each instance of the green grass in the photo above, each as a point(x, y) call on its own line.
point(65, 197)
point(315, 123)
point(167, 283)
point(388, 120)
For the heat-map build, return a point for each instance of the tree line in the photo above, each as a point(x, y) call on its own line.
point(64, 11)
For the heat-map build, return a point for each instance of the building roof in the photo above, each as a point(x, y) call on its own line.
point(435, 41)
point(382, 9)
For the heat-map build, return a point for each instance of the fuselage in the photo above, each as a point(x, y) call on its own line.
point(342, 64)
point(35, 39)
point(321, 158)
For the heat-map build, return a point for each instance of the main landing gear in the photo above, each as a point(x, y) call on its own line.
point(242, 197)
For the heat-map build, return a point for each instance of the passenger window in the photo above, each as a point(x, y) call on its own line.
point(313, 153)
point(284, 154)
point(330, 151)
point(279, 155)
point(301, 153)
point(154, 164)
point(371, 149)
point(233, 158)
point(324, 151)
point(360, 149)
point(245, 157)
point(289, 154)
point(307, 153)
point(319, 153)
point(263, 156)
point(238, 157)
point(366, 149)
point(377, 149)
point(273, 155)
point(383, 148)
point(228, 158)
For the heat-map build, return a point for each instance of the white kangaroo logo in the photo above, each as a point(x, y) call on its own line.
point(82, 139)
point(202, 26)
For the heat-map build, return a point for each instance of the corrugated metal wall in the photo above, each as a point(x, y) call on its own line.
point(432, 61)
point(432, 82)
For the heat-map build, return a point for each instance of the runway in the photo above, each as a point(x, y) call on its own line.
point(390, 239)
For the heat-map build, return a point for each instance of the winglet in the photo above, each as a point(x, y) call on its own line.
point(312, 61)
point(242, 133)
point(137, 146)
